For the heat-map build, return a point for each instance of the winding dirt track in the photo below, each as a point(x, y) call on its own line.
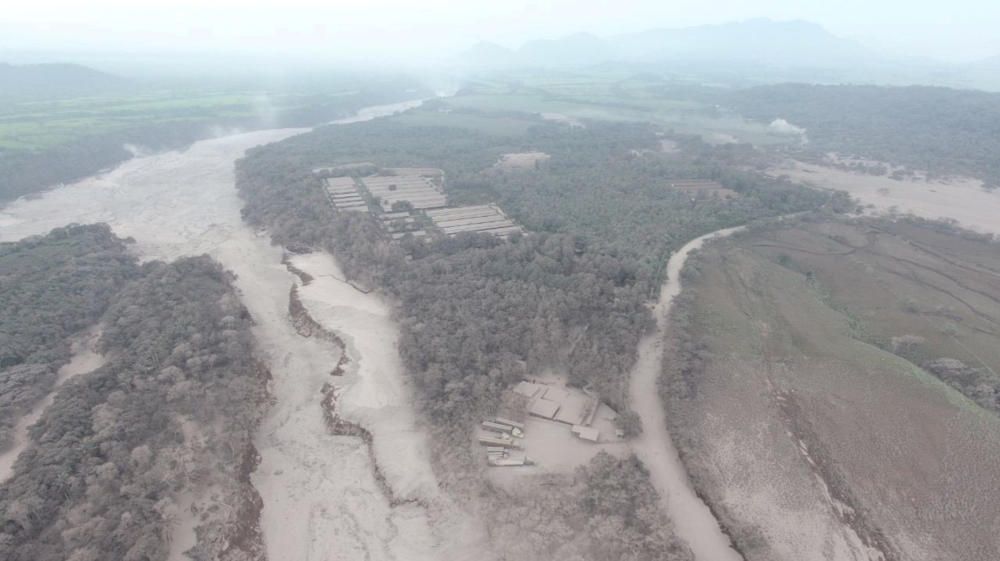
point(85, 359)
point(692, 519)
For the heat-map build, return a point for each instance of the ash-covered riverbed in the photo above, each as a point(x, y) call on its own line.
point(321, 497)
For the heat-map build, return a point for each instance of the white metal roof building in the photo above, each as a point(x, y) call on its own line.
point(479, 218)
point(413, 189)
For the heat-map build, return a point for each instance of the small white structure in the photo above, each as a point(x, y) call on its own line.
point(416, 190)
point(586, 433)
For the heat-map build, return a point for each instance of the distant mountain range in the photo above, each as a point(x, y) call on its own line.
point(758, 42)
point(741, 53)
point(52, 79)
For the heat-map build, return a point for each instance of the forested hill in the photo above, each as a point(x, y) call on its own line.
point(49, 80)
point(171, 413)
point(941, 130)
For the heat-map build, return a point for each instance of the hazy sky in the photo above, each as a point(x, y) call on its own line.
point(957, 29)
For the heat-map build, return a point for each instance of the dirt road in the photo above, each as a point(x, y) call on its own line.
point(692, 519)
point(85, 359)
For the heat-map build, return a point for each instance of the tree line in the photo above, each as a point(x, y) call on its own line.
point(173, 411)
point(24, 172)
point(940, 130)
point(51, 288)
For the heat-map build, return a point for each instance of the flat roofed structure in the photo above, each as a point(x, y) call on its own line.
point(704, 188)
point(422, 172)
point(486, 227)
point(343, 194)
point(571, 412)
point(462, 212)
point(528, 389)
point(420, 192)
point(500, 232)
point(334, 183)
point(586, 433)
point(459, 222)
point(556, 394)
point(544, 408)
point(480, 218)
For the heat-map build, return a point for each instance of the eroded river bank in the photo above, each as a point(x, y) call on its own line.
point(324, 495)
point(320, 496)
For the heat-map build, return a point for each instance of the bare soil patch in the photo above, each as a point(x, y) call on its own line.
point(811, 433)
point(957, 198)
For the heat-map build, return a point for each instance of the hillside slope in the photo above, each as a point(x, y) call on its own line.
point(53, 79)
point(757, 41)
point(801, 389)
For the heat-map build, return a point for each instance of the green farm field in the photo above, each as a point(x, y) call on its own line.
point(616, 97)
point(52, 140)
point(40, 125)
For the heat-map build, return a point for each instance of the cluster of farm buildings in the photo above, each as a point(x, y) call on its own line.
point(699, 189)
point(408, 202)
point(505, 437)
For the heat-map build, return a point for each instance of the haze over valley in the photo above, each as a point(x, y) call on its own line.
point(562, 281)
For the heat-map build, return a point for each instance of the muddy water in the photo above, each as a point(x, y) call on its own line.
point(85, 359)
point(693, 521)
point(321, 499)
